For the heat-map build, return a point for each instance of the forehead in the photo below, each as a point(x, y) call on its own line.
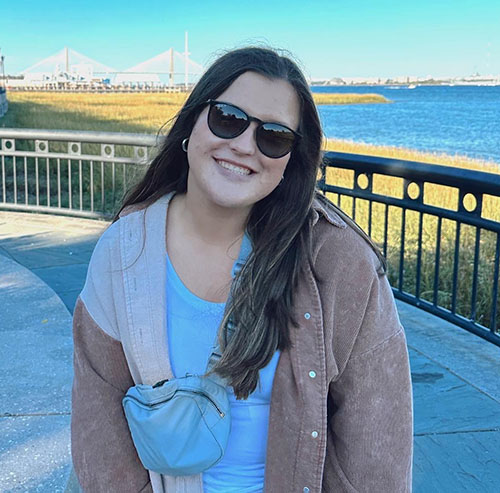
point(267, 99)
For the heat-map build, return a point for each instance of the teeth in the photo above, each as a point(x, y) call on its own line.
point(235, 169)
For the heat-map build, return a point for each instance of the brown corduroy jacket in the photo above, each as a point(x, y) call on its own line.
point(341, 405)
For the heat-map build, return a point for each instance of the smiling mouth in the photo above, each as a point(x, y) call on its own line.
point(232, 167)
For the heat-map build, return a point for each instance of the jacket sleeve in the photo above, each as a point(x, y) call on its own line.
point(370, 439)
point(104, 456)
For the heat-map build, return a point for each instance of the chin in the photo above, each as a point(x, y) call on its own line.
point(232, 196)
point(233, 202)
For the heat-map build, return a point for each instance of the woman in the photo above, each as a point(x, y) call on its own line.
point(313, 312)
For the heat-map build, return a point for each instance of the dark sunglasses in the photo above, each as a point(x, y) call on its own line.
point(227, 121)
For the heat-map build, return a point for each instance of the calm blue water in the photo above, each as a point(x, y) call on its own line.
point(461, 120)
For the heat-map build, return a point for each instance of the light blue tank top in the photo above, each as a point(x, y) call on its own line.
point(192, 325)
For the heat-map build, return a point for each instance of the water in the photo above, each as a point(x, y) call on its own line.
point(462, 120)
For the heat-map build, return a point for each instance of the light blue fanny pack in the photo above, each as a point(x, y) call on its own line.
point(179, 427)
point(182, 426)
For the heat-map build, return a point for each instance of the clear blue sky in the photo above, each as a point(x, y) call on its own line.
point(345, 38)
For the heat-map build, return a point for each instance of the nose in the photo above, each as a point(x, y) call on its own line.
point(245, 142)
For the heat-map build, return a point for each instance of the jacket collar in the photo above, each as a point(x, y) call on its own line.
point(326, 209)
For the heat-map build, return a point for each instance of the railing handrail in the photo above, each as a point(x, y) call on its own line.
point(472, 180)
point(80, 136)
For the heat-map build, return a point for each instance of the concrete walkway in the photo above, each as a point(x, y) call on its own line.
point(43, 261)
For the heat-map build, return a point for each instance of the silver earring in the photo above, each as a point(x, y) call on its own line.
point(184, 144)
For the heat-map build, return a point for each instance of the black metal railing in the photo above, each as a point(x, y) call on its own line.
point(438, 226)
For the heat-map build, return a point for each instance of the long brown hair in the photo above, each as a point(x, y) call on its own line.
point(260, 305)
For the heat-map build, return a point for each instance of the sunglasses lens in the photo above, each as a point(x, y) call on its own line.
point(226, 121)
point(274, 140)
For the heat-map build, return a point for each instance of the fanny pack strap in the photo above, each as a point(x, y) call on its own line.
point(245, 250)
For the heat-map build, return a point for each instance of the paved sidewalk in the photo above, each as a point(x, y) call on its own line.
point(35, 383)
point(43, 261)
point(56, 249)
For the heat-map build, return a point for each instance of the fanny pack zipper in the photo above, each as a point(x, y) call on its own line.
point(221, 413)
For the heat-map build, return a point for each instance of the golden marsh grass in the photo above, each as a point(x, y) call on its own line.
point(348, 98)
point(131, 112)
point(146, 113)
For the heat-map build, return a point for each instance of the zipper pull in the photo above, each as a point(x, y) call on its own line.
point(160, 383)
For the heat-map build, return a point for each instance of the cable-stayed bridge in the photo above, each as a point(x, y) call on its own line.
point(68, 69)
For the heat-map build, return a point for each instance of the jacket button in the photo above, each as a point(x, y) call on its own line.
point(307, 315)
point(312, 374)
point(314, 434)
point(306, 489)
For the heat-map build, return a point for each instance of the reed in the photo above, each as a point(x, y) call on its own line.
point(130, 112)
point(321, 98)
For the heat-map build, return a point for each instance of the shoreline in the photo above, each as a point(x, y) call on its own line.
point(407, 154)
point(416, 84)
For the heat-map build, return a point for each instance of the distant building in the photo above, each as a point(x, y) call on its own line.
point(65, 66)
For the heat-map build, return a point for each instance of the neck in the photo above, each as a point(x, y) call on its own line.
point(214, 225)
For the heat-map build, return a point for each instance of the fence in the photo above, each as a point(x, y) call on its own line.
point(66, 172)
point(438, 226)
